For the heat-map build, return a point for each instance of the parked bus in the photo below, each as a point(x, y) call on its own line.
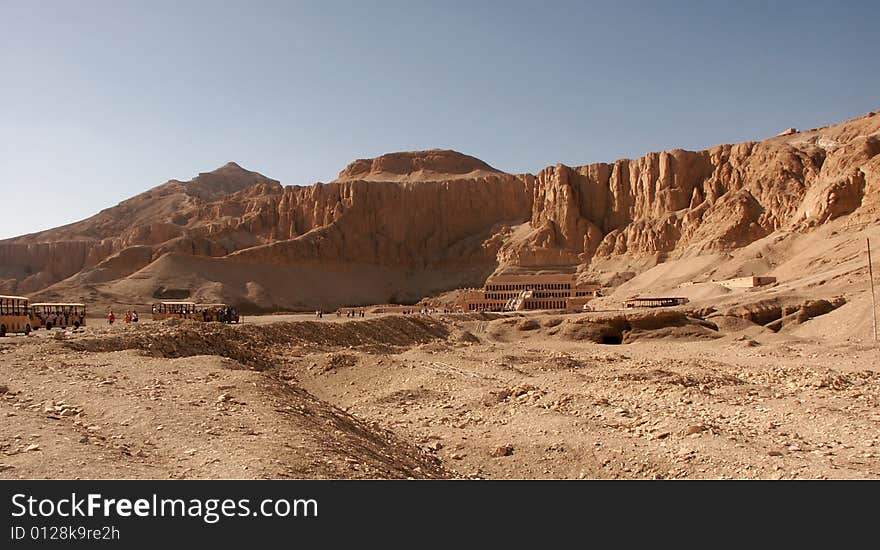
point(176, 310)
point(14, 315)
point(221, 313)
point(51, 315)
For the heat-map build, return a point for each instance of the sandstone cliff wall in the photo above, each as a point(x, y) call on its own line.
point(441, 209)
point(721, 198)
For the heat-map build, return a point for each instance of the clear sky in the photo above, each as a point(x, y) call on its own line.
point(102, 100)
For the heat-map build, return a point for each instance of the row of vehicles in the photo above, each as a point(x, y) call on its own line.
point(18, 315)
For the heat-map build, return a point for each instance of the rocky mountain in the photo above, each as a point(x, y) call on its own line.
point(406, 225)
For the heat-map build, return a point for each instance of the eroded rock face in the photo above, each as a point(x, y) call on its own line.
point(440, 209)
point(721, 198)
point(389, 223)
point(435, 164)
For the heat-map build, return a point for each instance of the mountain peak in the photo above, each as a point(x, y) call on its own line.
point(229, 178)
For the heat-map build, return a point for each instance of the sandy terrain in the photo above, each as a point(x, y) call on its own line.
point(488, 396)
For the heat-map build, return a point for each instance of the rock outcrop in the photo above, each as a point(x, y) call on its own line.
point(435, 164)
point(441, 211)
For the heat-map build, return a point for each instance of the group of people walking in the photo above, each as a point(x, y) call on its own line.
point(319, 314)
point(129, 318)
point(222, 314)
point(424, 311)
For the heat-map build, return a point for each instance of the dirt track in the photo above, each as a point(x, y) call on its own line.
point(464, 396)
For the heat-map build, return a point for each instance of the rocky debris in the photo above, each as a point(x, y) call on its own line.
point(464, 337)
point(433, 447)
point(3, 389)
point(336, 361)
point(787, 132)
point(562, 361)
point(262, 347)
point(494, 397)
point(519, 394)
point(695, 429)
point(527, 324)
point(501, 450)
point(61, 409)
point(747, 342)
point(834, 381)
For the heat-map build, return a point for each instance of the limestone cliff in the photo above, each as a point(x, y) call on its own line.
point(721, 198)
point(444, 212)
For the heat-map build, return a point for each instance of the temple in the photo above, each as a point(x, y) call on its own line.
point(529, 292)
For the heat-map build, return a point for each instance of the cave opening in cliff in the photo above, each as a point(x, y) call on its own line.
point(612, 339)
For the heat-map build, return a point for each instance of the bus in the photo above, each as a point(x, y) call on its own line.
point(221, 313)
point(61, 315)
point(176, 310)
point(14, 315)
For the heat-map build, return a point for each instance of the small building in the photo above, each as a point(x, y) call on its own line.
point(530, 292)
point(653, 302)
point(747, 282)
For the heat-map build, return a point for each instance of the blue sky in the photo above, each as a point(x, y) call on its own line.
point(102, 100)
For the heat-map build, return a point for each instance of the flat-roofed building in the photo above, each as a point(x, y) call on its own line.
point(653, 302)
point(747, 282)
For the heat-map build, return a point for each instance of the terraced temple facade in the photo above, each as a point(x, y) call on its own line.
point(530, 292)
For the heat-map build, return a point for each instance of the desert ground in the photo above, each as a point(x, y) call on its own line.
point(490, 396)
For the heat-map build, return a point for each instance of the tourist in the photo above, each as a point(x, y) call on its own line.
point(134, 316)
point(127, 318)
point(110, 317)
